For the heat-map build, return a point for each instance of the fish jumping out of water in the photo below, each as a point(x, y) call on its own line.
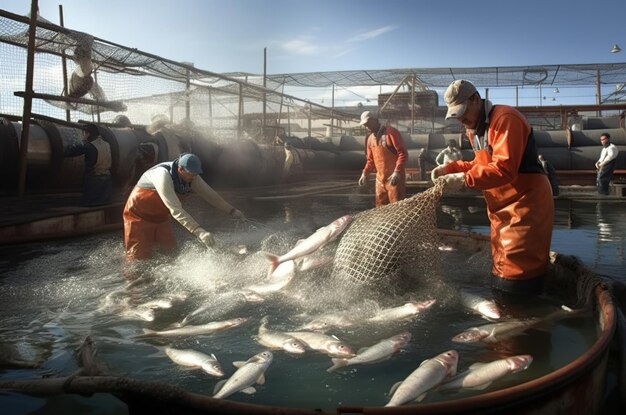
point(426, 377)
point(377, 353)
point(311, 244)
point(248, 373)
point(279, 279)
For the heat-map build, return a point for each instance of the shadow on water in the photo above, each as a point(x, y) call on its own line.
point(55, 294)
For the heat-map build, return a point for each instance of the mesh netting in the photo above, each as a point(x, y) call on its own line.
point(396, 243)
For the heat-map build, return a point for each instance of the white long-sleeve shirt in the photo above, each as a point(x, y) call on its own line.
point(607, 154)
point(160, 180)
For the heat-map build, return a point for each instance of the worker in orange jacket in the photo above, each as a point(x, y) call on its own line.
point(385, 153)
point(518, 194)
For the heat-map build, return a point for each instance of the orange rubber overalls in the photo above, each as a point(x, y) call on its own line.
point(386, 153)
point(519, 203)
point(146, 221)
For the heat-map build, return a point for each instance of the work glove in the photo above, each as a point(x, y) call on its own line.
point(394, 178)
point(206, 238)
point(436, 172)
point(454, 182)
point(237, 214)
point(362, 179)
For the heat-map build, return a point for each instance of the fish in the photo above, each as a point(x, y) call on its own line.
point(427, 376)
point(329, 345)
point(311, 262)
point(278, 340)
point(486, 308)
point(311, 244)
point(481, 375)
point(195, 359)
point(326, 321)
point(213, 327)
point(496, 332)
point(377, 353)
point(86, 359)
point(278, 279)
point(407, 310)
point(251, 297)
point(248, 373)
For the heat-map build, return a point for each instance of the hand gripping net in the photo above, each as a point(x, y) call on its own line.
point(393, 244)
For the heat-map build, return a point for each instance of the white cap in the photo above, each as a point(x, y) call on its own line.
point(366, 116)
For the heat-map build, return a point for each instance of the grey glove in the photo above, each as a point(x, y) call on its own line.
point(237, 214)
point(362, 179)
point(454, 182)
point(206, 238)
point(394, 178)
point(437, 171)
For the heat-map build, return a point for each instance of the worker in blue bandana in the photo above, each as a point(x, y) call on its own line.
point(157, 196)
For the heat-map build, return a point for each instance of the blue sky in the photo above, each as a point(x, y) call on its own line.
point(325, 35)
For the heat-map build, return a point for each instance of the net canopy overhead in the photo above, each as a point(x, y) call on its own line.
point(154, 85)
point(126, 75)
point(393, 245)
point(505, 76)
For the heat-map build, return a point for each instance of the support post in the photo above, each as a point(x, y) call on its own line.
point(28, 98)
point(64, 65)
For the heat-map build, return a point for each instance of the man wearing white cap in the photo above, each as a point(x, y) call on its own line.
point(518, 193)
point(157, 196)
point(385, 153)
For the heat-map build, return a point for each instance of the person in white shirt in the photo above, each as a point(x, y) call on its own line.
point(449, 154)
point(157, 196)
point(606, 164)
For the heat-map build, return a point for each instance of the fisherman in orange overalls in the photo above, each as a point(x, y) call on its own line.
point(157, 196)
point(518, 194)
point(385, 153)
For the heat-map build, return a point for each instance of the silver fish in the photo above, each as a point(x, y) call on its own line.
point(329, 345)
point(248, 373)
point(278, 340)
point(317, 240)
point(426, 377)
point(208, 328)
point(193, 358)
point(311, 262)
point(326, 321)
point(496, 332)
point(486, 308)
point(481, 375)
point(279, 279)
point(377, 353)
point(407, 310)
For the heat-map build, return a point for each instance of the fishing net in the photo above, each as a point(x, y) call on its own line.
point(395, 243)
